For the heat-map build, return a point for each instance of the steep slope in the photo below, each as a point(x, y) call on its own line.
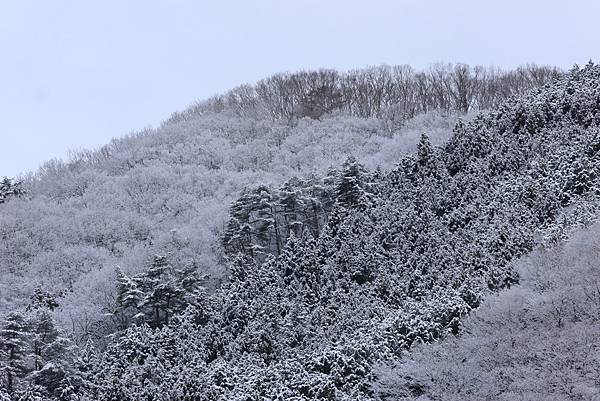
point(536, 341)
point(404, 256)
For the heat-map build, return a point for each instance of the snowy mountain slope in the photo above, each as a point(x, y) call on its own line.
point(535, 341)
point(323, 277)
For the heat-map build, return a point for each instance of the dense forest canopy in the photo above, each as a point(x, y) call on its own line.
point(536, 341)
point(292, 239)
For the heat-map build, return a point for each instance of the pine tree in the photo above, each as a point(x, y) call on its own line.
point(316, 200)
point(290, 204)
point(157, 294)
point(41, 299)
point(129, 299)
point(237, 236)
point(47, 342)
point(85, 367)
point(309, 270)
point(424, 150)
point(161, 291)
point(263, 220)
point(51, 352)
point(4, 396)
point(191, 284)
point(14, 337)
point(9, 188)
point(319, 101)
point(43, 333)
point(352, 186)
point(32, 392)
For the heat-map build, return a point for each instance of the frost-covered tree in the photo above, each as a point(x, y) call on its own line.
point(353, 184)
point(51, 352)
point(10, 188)
point(157, 294)
point(14, 347)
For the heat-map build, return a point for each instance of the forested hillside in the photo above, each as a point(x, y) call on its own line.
point(535, 341)
point(269, 252)
point(167, 190)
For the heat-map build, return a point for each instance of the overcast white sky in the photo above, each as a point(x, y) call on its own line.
point(74, 74)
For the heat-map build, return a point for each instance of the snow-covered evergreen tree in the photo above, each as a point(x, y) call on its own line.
point(14, 348)
point(10, 188)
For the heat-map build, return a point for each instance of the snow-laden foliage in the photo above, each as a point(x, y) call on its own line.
point(163, 192)
point(167, 190)
point(36, 359)
point(403, 257)
point(10, 188)
point(327, 275)
point(535, 341)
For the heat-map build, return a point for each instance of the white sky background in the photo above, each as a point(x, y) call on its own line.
point(74, 74)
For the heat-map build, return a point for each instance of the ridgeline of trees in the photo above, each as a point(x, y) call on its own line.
point(396, 93)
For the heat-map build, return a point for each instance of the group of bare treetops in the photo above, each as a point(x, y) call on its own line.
point(397, 93)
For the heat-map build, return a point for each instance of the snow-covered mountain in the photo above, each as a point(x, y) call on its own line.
point(294, 239)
